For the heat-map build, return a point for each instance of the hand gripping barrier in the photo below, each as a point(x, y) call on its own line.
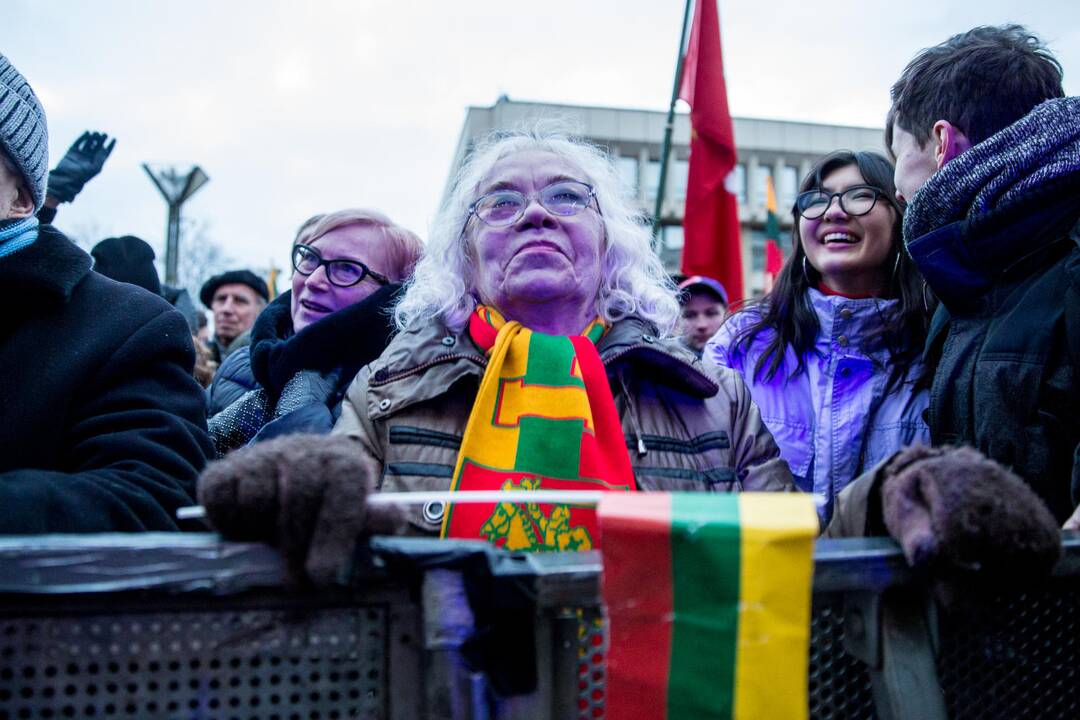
point(185, 626)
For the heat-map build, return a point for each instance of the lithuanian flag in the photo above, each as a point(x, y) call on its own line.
point(708, 602)
point(774, 256)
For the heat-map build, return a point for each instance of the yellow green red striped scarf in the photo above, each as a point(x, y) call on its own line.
point(543, 419)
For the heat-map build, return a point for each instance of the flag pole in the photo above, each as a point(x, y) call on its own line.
point(665, 149)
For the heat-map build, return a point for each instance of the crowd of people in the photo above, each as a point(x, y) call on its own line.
point(915, 367)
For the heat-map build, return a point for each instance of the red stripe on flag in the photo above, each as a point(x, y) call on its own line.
point(636, 543)
point(774, 258)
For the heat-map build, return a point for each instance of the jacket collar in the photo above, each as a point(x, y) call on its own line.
point(44, 273)
point(855, 318)
point(962, 260)
point(432, 349)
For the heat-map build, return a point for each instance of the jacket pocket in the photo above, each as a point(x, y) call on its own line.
point(407, 435)
point(717, 440)
point(676, 479)
point(407, 477)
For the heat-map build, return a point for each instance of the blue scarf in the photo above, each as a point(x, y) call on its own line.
point(959, 256)
point(17, 234)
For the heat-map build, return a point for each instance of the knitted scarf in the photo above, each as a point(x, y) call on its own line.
point(1031, 166)
point(544, 419)
point(17, 234)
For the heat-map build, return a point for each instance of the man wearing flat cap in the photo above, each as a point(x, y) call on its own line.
point(236, 298)
point(101, 425)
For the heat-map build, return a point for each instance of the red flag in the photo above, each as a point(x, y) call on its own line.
point(711, 224)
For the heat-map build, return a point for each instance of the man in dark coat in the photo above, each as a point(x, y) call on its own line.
point(102, 423)
point(988, 157)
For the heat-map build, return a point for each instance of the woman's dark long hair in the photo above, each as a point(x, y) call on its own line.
point(787, 310)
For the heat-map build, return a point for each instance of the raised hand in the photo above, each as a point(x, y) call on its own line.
point(83, 160)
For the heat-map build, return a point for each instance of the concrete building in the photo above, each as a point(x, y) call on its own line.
point(778, 148)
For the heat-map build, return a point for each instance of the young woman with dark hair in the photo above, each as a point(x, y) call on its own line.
point(832, 354)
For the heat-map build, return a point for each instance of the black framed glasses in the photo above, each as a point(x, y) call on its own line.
point(342, 273)
point(502, 208)
point(856, 200)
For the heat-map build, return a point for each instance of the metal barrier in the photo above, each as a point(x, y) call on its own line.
point(184, 626)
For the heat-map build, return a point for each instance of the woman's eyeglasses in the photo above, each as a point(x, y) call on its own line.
point(342, 273)
point(857, 200)
point(503, 208)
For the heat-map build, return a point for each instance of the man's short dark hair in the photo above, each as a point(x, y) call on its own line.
point(981, 81)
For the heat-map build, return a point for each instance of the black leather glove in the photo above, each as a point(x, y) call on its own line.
point(304, 494)
point(83, 160)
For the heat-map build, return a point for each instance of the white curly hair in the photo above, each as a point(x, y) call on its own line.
point(633, 281)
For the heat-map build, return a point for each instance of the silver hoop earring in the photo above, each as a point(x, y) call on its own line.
point(805, 274)
point(896, 267)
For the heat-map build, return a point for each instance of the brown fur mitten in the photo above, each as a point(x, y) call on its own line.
point(305, 494)
point(952, 506)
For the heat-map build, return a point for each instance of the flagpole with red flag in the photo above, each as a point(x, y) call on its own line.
point(712, 244)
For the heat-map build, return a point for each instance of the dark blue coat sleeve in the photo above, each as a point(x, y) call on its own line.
point(231, 381)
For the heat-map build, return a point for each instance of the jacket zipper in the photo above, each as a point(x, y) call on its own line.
point(642, 450)
point(424, 366)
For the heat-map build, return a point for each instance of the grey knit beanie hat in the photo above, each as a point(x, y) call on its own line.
point(24, 135)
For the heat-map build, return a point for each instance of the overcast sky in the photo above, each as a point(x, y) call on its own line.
point(294, 109)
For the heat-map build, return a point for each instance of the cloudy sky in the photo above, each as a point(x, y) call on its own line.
point(294, 109)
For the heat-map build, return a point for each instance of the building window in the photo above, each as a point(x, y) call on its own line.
point(673, 237)
point(652, 181)
point(757, 198)
point(680, 174)
point(738, 179)
point(757, 251)
point(628, 171)
point(788, 186)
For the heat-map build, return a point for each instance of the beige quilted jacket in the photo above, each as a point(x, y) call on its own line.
point(688, 427)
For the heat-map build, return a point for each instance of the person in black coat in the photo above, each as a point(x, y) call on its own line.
point(309, 343)
point(988, 157)
point(130, 259)
point(101, 424)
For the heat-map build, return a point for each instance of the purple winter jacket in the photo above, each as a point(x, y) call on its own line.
point(832, 421)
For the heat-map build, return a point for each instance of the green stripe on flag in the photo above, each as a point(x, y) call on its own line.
point(705, 556)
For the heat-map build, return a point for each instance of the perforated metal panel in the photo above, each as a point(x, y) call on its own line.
point(591, 675)
point(1018, 657)
point(318, 664)
point(839, 683)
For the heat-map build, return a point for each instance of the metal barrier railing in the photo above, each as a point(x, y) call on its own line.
point(185, 626)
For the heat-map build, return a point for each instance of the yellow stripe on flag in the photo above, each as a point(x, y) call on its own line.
point(770, 195)
point(776, 571)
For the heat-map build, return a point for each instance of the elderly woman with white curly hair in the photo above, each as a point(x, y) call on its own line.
point(533, 354)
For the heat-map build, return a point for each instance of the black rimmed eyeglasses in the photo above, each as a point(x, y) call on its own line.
point(342, 273)
point(856, 200)
point(502, 208)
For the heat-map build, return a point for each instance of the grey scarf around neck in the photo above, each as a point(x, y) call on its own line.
point(1037, 149)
